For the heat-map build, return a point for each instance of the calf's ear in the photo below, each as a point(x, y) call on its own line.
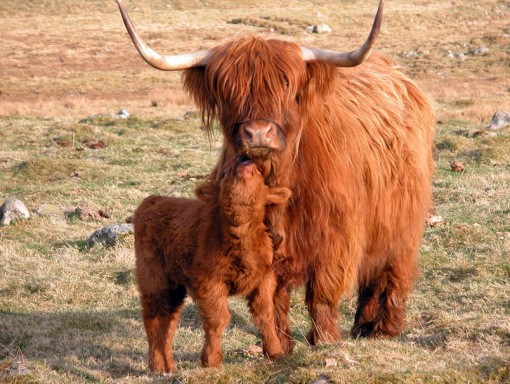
point(278, 195)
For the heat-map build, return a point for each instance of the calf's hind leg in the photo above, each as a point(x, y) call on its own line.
point(161, 311)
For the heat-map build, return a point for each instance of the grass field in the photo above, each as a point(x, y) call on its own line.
point(69, 313)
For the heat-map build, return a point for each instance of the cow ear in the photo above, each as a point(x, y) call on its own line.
point(208, 191)
point(278, 195)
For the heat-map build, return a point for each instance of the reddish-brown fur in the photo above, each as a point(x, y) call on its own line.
point(208, 248)
point(354, 146)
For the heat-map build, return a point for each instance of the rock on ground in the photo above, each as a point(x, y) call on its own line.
point(11, 210)
point(110, 234)
point(319, 28)
point(122, 114)
point(500, 119)
point(435, 221)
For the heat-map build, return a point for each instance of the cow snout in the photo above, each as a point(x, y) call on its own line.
point(259, 133)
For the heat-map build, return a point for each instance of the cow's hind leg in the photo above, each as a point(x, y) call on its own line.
point(161, 312)
point(382, 300)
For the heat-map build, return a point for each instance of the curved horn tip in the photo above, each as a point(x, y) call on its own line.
point(348, 59)
point(378, 15)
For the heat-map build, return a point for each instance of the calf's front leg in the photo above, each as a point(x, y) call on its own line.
point(215, 317)
point(262, 309)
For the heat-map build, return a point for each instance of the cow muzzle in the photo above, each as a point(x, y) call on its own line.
point(260, 136)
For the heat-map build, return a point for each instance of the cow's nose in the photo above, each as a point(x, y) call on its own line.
point(258, 133)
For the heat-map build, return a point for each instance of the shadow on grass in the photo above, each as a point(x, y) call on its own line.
point(99, 345)
point(86, 345)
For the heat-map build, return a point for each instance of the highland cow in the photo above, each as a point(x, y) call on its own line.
point(351, 136)
point(209, 248)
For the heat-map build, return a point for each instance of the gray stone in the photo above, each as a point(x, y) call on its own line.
point(110, 234)
point(11, 210)
point(123, 114)
point(319, 28)
point(481, 50)
point(500, 119)
point(410, 54)
point(435, 221)
point(322, 28)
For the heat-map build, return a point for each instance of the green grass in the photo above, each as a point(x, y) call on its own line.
point(73, 312)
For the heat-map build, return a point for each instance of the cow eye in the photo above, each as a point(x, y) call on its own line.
point(286, 81)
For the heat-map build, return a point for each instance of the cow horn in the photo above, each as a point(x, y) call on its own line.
point(163, 62)
point(348, 59)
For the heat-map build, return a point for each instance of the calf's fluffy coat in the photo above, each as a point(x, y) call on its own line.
point(209, 248)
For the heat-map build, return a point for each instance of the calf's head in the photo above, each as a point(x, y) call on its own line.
point(243, 195)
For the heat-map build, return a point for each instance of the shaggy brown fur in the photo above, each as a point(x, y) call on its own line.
point(209, 248)
point(354, 146)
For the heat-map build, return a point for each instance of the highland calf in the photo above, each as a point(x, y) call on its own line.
point(209, 248)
